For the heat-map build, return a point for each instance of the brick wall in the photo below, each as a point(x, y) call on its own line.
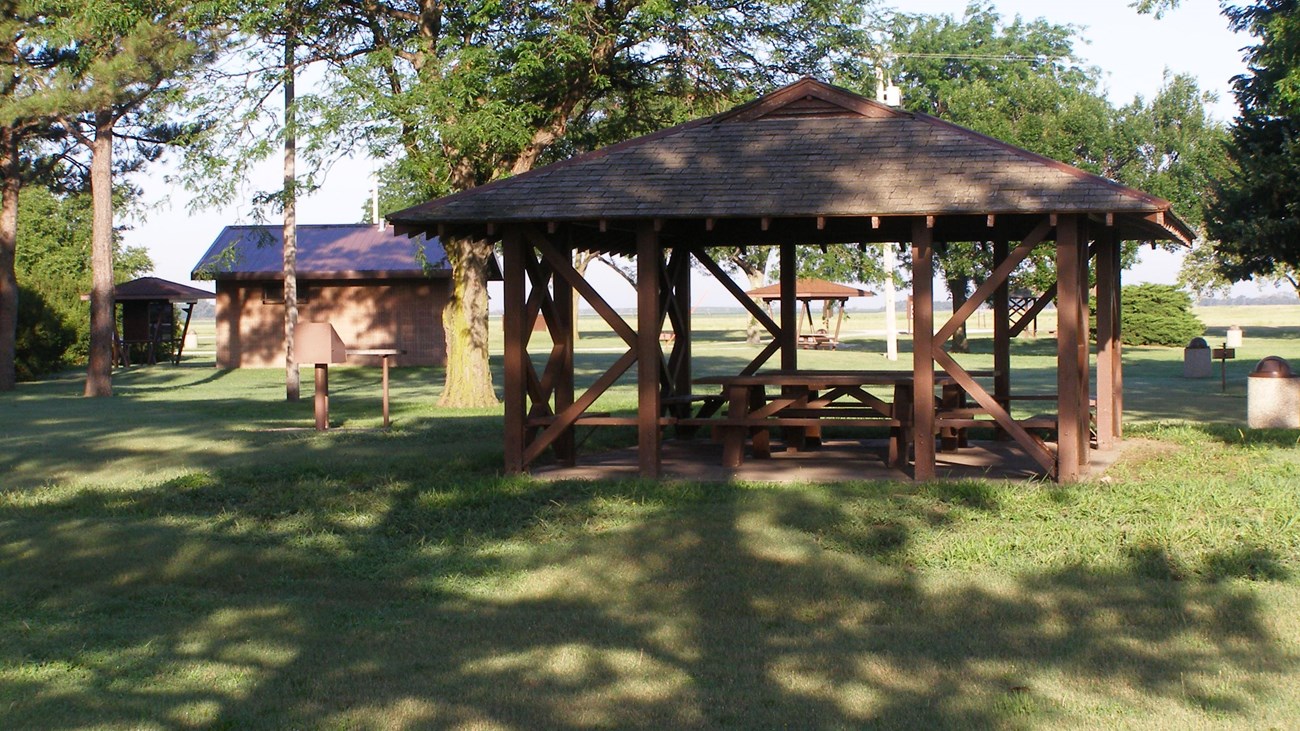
point(384, 313)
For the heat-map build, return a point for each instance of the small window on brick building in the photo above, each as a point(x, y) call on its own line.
point(273, 294)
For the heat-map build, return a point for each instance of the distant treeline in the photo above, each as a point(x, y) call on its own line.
point(1281, 298)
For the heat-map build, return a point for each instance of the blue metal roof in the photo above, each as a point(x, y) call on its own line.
point(325, 251)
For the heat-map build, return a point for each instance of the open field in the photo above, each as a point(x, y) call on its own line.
point(182, 556)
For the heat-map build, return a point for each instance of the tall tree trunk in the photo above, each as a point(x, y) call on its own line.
point(465, 322)
point(99, 372)
point(958, 286)
point(292, 376)
point(8, 249)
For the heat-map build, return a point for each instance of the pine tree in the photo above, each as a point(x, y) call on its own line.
point(121, 61)
point(1253, 213)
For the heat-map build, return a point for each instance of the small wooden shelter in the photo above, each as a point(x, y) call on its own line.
point(806, 291)
point(807, 164)
point(149, 328)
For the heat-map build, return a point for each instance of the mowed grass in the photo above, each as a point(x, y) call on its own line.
point(182, 556)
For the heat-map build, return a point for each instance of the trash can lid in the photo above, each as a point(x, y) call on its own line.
point(1197, 344)
point(1272, 367)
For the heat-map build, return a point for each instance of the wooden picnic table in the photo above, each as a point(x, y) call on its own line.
point(809, 399)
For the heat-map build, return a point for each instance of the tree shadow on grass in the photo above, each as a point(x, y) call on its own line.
point(399, 599)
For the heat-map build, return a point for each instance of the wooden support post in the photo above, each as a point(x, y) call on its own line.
point(1084, 348)
point(562, 296)
point(789, 313)
point(682, 340)
point(321, 402)
point(649, 356)
point(922, 344)
point(1117, 352)
point(1106, 280)
point(1001, 335)
point(383, 359)
point(1067, 348)
point(513, 252)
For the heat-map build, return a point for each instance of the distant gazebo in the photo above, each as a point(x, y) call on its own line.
point(807, 164)
point(149, 327)
point(807, 291)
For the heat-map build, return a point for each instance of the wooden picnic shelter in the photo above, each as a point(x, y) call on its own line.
point(806, 291)
point(149, 307)
point(807, 164)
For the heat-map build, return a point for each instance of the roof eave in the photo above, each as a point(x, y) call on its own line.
point(336, 275)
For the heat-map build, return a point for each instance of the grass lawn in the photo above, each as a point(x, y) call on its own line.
point(181, 555)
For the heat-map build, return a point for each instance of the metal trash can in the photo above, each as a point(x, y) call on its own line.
point(1233, 339)
point(1197, 362)
point(1273, 396)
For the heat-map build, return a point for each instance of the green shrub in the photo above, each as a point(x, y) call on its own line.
point(43, 337)
point(1158, 314)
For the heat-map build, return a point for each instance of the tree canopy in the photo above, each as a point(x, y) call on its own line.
point(1253, 213)
point(457, 96)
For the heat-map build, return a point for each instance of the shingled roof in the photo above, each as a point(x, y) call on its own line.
point(154, 288)
point(811, 289)
point(806, 150)
point(325, 251)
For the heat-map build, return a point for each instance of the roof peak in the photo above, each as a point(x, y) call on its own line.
point(810, 97)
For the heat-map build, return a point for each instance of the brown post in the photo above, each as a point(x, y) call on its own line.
point(789, 310)
point(1117, 256)
point(1001, 335)
point(516, 396)
point(384, 361)
point(562, 297)
point(922, 302)
point(682, 342)
point(321, 402)
point(649, 358)
point(1085, 348)
point(1067, 348)
point(1106, 341)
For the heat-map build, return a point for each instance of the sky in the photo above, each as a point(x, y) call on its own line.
point(1133, 52)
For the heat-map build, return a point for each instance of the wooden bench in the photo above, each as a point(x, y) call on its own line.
point(804, 402)
point(817, 341)
point(679, 406)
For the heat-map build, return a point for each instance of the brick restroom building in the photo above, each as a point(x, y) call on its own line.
point(377, 289)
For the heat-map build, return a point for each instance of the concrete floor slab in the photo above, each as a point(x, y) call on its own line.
point(836, 460)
